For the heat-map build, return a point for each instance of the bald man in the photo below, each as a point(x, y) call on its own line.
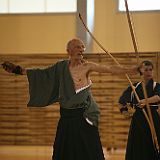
point(68, 82)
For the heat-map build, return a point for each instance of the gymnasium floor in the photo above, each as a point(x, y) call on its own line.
point(43, 153)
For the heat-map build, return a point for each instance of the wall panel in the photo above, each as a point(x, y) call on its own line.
point(20, 125)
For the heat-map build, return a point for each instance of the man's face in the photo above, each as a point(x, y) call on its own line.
point(76, 49)
point(147, 72)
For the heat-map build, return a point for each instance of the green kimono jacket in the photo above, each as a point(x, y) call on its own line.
point(55, 84)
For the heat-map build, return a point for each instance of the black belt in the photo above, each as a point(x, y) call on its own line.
point(154, 106)
point(71, 113)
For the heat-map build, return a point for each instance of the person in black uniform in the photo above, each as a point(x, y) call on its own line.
point(140, 145)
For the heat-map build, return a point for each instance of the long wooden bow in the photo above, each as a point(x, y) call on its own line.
point(150, 118)
point(133, 88)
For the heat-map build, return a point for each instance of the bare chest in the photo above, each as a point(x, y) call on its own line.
point(79, 76)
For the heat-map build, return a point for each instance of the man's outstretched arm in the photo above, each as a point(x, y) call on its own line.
point(12, 68)
point(112, 69)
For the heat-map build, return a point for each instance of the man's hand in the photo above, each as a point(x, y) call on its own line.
point(12, 68)
point(134, 70)
point(9, 67)
point(142, 103)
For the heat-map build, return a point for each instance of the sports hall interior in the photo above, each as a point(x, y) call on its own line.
point(39, 40)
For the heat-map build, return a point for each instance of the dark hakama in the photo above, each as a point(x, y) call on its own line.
point(76, 139)
point(140, 145)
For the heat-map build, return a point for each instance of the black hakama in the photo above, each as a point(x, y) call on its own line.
point(76, 139)
point(140, 145)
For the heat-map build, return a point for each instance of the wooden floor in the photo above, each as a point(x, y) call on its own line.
point(44, 153)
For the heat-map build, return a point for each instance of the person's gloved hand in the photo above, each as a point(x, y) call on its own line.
point(11, 68)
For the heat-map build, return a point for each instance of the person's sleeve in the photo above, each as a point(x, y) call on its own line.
point(126, 96)
point(124, 99)
point(157, 89)
point(43, 86)
point(157, 92)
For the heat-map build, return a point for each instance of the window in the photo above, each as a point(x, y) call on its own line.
point(37, 6)
point(140, 5)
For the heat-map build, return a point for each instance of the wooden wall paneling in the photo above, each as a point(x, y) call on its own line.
point(20, 125)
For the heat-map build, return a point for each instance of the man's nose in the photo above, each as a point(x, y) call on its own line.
point(82, 49)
